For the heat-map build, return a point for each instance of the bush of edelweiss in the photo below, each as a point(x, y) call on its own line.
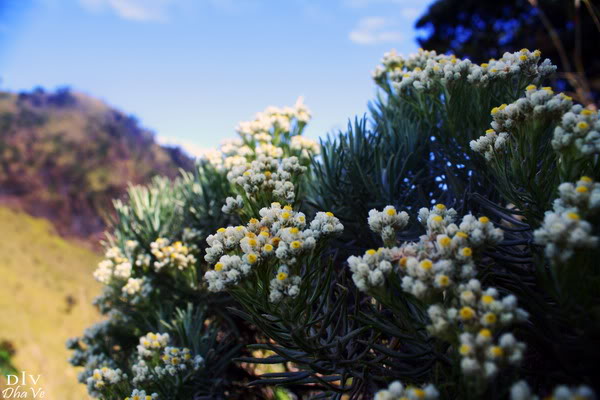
point(445, 247)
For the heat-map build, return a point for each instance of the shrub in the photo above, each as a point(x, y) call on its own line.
point(443, 247)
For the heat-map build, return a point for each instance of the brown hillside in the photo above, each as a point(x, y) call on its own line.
point(65, 155)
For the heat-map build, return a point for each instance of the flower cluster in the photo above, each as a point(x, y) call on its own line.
point(475, 309)
point(141, 395)
point(133, 286)
point(157, 359)
point(423, 70)
point(171, 255)
point(387, 222)
point(150, 342)
point(282, 236)
point(522, 391)
point(579, 127)
point(397, 391)
point(306, 147)
point(273, 119)
point(284, 285)
point(442, 257)
point(482, 357)
point(477, 314)
point(537, 104)
point(115, 265)
point(268, 174)
point(177, 360)
point(565, 228)
point(233, 204)
point(103, 378)
point(370, 270)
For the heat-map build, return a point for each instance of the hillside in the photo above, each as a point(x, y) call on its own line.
point(65, 155)
point(46, 295)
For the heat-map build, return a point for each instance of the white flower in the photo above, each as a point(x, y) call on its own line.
point(397, 391)
point(565, 230)
point(233, 204)
point(152, 343)
point(387, 222)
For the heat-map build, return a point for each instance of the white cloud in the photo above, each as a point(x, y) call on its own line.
point(191, 149)
point(374, 30)
point(410, 12)
point(367, 3)
point(136, 10)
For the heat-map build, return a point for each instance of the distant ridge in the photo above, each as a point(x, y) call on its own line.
point(65, 155)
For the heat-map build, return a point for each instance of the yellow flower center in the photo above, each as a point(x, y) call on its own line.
point(438, 218)
point(294, 230)
point(490, 131)
point(282, 276)
point(586, 179)
point(484, 220)
point(466, 252)
point(586, 112)
point(484, 65)
point(464, 349)
point(221, 230)
point(523, 57)
point(252, 258)
point(487, 299)
point(486, 333)
point(426, 265)
point(288, 208)
point(296, 244)
point(573, 215)
point(461, 234)
point(490, 318)
point(253, 221)
point(371, 252)
point(582, 125)
point(285, 215)
point(466, 313)
point(252, 242)
point(530, 88)
point(582, 189)
point(445, 241)
point(403, 261)
point(440, 206)
point(218, 266)
point(496, 351)
point(391, 211)
point(268, 247)
point(329, 214)
point(443, 280)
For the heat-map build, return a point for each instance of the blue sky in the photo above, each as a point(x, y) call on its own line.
point(191, 69)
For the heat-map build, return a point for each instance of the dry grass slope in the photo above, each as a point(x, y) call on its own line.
point(39, 273)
